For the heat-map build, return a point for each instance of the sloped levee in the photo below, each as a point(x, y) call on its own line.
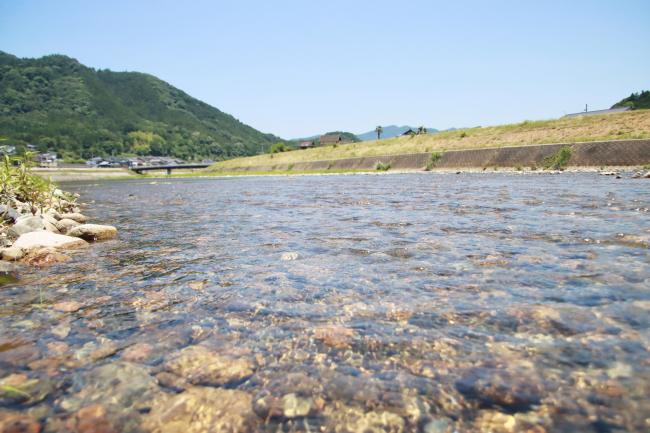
point(587, 154)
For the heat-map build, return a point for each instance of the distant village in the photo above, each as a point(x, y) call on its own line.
point(51, 160)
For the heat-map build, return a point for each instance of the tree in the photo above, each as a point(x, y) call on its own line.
point(379, 130)
point(422, 130)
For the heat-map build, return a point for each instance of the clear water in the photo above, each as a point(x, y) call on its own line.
point(451, 301)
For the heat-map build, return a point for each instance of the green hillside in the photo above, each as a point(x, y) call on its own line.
point(637, 101)
point(61, 105)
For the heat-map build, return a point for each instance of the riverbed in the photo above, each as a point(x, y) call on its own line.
point(407, 302)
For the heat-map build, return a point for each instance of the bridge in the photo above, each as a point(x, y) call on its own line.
point(169, 168)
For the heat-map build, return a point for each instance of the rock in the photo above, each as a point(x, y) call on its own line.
point(50, 227)
point(294, 406)
point(93, 232)
point(352, 419)
point(608, 173)
point(199, 366)
point(439, 425)
point(91, 419)
point(500, 388)
point(633, 240)
point(45, 257)
point(16, 422)
point(120, 387)
point(75, 216)
point(8, 214)
point(94, 351)
point(139, 352)
point(7, 268)
point(199, 410)
point(65, 224)
point(172, 381)
point(335, 336)
point(26, 224)
point(646, 175)
point(61, 331)
point(12, 254)
point(54, 214)
point(45, 239)
point(495, 422)
point(17, 352)
point(58, 348)
point(289, 256)
point(20, 389)
point(67, 306)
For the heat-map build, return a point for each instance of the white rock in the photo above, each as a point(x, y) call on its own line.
point(75, 216)
point(93, 232)
point(289, 256)
point(12, 254)
point(44, 239)
point(66, 224)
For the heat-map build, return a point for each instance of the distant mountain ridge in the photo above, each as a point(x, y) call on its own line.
point(60, 105)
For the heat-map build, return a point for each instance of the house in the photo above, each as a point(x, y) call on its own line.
point(409, 132)
point(7, 149)
point(597, 112)
point(46, 159)
point(306, 144)
point(329, 139)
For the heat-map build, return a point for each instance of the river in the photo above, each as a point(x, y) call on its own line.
point(403, 302)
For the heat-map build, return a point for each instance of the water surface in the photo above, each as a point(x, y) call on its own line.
point(415, 302)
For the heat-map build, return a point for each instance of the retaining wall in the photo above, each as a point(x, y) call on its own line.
point(588, 154)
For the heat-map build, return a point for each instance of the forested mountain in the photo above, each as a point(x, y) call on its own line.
point(61, 105)
point(636, 101)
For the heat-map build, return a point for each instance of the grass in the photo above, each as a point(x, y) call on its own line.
point(18, 182)
point(380, 166)
point(435, 157)
point(558, 160)
point(628, 125)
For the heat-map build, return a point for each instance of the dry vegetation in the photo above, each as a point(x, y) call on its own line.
point(629, 125)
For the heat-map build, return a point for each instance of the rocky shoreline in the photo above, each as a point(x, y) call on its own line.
point(41, 236)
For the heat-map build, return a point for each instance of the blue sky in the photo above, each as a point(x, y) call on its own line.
point(297, 68)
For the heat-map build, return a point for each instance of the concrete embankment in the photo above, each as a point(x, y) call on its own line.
point(586, 154)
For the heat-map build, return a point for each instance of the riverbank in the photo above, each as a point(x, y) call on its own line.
point(590, 156)
point(632, 125)
point(40, 223)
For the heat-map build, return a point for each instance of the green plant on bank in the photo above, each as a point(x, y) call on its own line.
point(18, 182)
point(290, 167)
point(646, 167)
point(433, 160)
point(558, 160)
point(278, 148)
point(380, 166)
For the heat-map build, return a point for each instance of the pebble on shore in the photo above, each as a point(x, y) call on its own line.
point(41, 237)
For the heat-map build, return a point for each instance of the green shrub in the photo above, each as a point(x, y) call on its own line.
point(19, 183)
point(463, 134)
point(435, 157)
point(380, 166)
point(559, 159)
point(278, 148)
point(290, 167)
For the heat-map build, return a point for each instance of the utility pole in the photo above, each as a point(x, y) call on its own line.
point(586, 108)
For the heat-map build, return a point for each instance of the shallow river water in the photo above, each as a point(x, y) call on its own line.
point(361, 303)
